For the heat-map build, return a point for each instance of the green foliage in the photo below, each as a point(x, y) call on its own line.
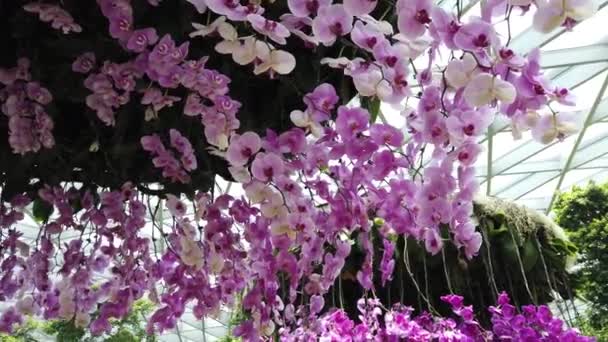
point(22, 334)
point(122, 335)
point(583, 211)
point(579, 207)
point(41, 210)
point(523, 253)
point(372, 104)
point(587, 328)
point(64, 331)
point(229, 338)
point(129, 329)
point(593, 241)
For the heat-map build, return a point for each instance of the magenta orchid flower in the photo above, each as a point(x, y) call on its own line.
point(321, 101)
point(331, 23)
point(121, 27)
point(359, 7)
point(266, 166)
point(434, 128)
point(273, 61)
point(230, 8)
point(140, 39)
point(387, 264)
point(511, 59)
point(466, 236)
point(38, 93)
point(84, 63)
point(389, 55)
point(351, 121)
point(563, 96)
point(307, 8)
point(242, 148)
point(300, 27)
point(444, 26)
point(468, 124)
point(553, 13)
point(477, 36)
point(467, 152)
point(414, 16)
point(383, 134)
point(550, 127)
point(485, 89)
point(432, 241)
point(366, 36)
point(272, 29)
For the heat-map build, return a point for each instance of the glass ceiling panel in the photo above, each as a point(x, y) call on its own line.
point(537, 203)
point(541, 189)
point(575, 176)
point(600, 163)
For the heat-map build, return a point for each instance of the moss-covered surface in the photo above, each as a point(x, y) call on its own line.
point(523, 253)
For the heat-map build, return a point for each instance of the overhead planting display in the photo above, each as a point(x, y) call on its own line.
point(117, 111)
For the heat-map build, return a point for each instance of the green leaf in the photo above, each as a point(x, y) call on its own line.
point(373, 107)
point(345, 91)
point(508, 249)
point(42, 210)
point(496, 232)
point(122, 335)
point(529, 255)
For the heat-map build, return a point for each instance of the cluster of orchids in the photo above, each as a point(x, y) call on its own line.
point(23, 101)
point(398, 324)
point(309, 193)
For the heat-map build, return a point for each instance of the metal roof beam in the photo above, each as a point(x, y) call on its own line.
point(545, 208)
point(577, 75)
point(554, 165)
point(526, 185)
point(504, 187)
point(518, 155)
point(535, 180)
point(579, 138)
point(574, 56)
point(534, 202)
point(601, 113)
